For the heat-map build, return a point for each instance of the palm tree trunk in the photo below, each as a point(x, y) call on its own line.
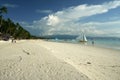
point(2, 11)
point(1, 24)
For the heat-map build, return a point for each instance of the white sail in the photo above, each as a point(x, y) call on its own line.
point(84, 38)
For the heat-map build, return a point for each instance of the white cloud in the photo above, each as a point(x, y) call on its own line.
point(113, 4)
point(76, 12)
point(10, 5)
point(52, 20)
point(66, 21)
point(110, 28)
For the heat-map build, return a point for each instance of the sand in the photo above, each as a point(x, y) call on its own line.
point(43, 60)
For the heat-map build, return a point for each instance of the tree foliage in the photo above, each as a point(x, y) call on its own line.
point(8, 27)
point(3, 10)
point(14, 29)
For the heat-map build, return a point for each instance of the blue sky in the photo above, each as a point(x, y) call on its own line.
point(66, 17)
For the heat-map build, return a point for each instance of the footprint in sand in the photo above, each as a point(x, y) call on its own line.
point(20, 58)
point(26, 52)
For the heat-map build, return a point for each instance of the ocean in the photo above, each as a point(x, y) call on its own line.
point(106, 42)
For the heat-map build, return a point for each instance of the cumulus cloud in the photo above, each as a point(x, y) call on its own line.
point(67, 20)
point(52, 20)
point(10, 5)
point(110, 28)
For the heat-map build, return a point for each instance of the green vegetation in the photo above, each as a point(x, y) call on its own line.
point(9, 28)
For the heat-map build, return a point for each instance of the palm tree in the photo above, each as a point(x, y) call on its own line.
point(2, 11)
point(9, 25)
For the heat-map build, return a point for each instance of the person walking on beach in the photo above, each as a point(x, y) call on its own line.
point(93, 42)
point(12, 40)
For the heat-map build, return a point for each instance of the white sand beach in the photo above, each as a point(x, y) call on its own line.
point(43, 60)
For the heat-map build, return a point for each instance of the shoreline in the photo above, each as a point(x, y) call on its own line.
point(87, 44)
point(79, 43)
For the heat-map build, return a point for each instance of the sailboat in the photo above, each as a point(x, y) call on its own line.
point(84, 39)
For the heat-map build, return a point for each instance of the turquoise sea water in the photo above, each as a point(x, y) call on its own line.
point(113, 43)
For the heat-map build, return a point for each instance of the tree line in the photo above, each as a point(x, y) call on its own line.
point(9, 28)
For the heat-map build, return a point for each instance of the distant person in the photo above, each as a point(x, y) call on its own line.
point(12, 40)
point(93, 42)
